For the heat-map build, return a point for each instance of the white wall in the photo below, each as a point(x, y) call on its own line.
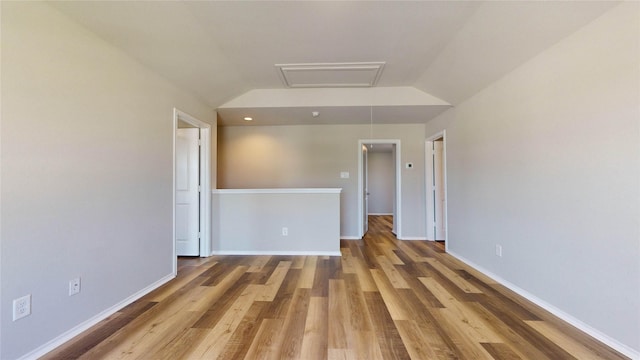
point(546, 162)
point(381, 187)
point(86, 174)
point(310, 156)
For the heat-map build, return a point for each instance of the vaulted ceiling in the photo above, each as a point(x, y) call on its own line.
point(436, 53)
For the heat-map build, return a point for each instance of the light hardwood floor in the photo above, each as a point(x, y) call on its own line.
point(383, 299)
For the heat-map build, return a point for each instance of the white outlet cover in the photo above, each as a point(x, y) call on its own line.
point(74, 286)
point(21, 307)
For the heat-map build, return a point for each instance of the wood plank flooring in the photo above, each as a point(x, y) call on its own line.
point(383, 299)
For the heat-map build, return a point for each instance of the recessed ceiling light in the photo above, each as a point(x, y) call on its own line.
point(248, 118)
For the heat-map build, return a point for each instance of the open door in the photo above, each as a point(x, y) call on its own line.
point(187, 192)
point(438, 191)
point(436, 187)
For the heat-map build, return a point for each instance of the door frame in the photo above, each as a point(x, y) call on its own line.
point(398, 176)
point(364, 156)
point(205, 183)
point(429, 184)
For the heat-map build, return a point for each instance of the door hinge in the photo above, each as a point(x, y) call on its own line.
point(199, 235)
point(199, 142)
point(199, 188)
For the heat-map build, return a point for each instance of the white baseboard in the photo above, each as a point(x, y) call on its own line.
point(350, 238)
point(77, 330)
point(413, 238)
point(376, 214)
point(286, 253)
point(604, 338)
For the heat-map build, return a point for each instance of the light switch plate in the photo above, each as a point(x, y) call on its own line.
point(344, 175)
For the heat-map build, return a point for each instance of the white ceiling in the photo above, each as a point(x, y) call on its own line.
point(219, 50)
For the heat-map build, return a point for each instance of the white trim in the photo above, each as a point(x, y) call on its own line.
point(205, 183)
point(270, 252)
point(279, 191)
point(350, 237)
point(398, 160)
point(589, 330)
point(413, 238)
point(205, 198)
point(174, 259)
point(379, 214)
point(85, 325)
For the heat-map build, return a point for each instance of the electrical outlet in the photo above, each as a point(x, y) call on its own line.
point(74, 286)
point(21, 307)
point(498, 250)
point(285, 231)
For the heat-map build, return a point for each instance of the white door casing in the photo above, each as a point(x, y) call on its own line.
point(396, 189)
point(362, 211)
point(365, 188)
point(187, 192)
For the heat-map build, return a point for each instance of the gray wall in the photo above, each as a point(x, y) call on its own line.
point(251, 222)
point(313, 156)
point(546, 162)
point(381, 184)
point(86, 174)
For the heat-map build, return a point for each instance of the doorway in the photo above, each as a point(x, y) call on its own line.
point(436, 176)
point(191, 187)
point(364, 147)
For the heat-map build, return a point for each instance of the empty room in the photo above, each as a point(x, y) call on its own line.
point(320, 180)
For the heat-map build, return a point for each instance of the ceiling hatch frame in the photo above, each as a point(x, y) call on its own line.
point(330, 75)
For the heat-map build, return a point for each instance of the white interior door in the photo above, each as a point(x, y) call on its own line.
point(438, 177)
point(187, 193)
point(365, 189)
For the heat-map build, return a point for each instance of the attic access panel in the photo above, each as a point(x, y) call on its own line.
point(318, 75)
